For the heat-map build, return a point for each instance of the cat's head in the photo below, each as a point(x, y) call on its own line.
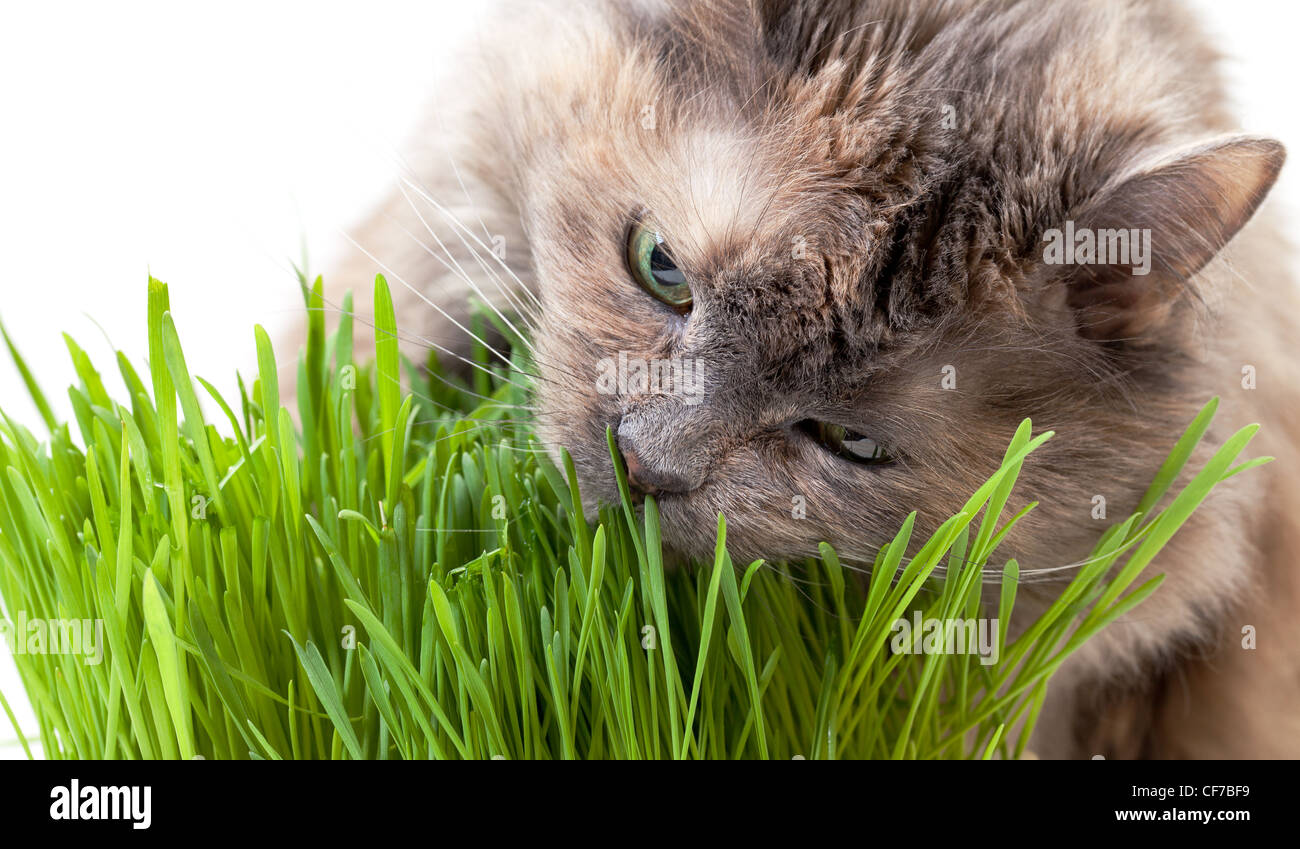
point(797, 254)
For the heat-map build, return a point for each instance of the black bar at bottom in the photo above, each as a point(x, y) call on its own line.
point(210, 799)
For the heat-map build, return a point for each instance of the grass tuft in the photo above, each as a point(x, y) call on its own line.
point(407, 576)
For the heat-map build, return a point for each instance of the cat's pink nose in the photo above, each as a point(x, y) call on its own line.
point(647, 481)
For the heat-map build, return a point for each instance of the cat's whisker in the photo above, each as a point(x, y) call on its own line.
point(463, 390)
point(461, 275)
point(424, 298)
point(534, 355)
point(414, 338)
point(407, 336)
point(460, 180)
point(527, 449)
point(483, 424)
point(510, 292)
point(450, 410)
point(456, 268)
point(529, 312)
point(456, 223)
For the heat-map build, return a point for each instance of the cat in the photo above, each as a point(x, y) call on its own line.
point(849, 218)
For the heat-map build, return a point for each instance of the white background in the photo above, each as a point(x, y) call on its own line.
point(207, 146)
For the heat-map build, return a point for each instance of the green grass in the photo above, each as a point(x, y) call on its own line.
point(406, 576)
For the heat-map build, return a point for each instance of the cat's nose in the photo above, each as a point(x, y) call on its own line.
point(645, 480)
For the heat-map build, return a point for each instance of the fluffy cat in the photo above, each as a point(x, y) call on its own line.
point(839, 211)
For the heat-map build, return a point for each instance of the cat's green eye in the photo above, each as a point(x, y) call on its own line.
point(848, 444)
point(654, 270)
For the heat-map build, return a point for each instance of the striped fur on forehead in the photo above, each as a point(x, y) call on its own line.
point(861, 183)
point(826, 121)
point(855, 100)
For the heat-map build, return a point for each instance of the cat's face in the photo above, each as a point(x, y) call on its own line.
point(777, 334)
point(829, 257)
point(780, 340)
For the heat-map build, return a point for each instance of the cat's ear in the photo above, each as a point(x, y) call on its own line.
point(1175, 212)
